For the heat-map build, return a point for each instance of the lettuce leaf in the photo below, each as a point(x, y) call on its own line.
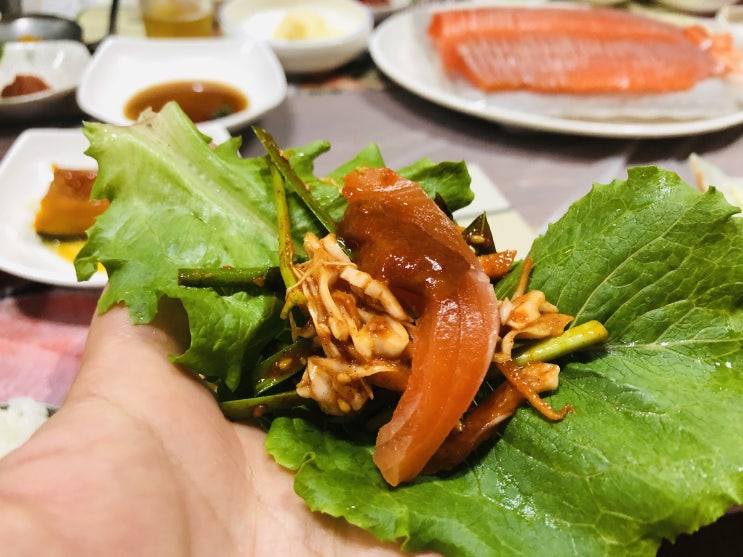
point(176, 202)
point(651, 450)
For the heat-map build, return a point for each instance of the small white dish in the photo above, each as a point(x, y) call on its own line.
point(25, 175)
point(326, 33)
point(60, 64)
point(123, 66)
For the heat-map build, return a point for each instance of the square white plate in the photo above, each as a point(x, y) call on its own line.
point(124, 66)
point(25, 175)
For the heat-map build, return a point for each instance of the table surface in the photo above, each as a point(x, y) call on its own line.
point(539, 174)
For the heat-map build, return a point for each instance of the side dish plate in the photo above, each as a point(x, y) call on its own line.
point(124, 66)
point(401, 50)
point(60, 64)
point(25, 174)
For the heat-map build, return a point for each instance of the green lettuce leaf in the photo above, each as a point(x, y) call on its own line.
point(652, 449)
point(176, 202)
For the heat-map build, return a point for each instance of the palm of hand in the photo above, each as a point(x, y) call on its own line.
point(140, 461)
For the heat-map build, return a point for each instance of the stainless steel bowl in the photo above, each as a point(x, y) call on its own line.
point(39, 26)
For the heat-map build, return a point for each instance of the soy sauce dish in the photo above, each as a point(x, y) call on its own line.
point(229, 82)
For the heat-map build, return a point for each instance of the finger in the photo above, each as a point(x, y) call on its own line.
point(123, 361)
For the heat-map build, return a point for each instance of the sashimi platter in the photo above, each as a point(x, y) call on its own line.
point(568, 68)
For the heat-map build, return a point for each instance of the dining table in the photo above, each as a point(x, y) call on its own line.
point(535, 174)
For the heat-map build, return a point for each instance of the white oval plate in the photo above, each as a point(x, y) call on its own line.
point(400, 49)
point(59, 63)
point(25, 174)
point(123, 66)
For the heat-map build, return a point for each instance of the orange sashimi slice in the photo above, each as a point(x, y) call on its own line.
point(570, 65)
point(401, 237)
point(601, 23)
point(580, 50)
point(67, 210)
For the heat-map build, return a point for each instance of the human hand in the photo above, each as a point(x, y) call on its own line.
point(139, 460)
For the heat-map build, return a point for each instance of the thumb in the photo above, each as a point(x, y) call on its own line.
point(123, 361)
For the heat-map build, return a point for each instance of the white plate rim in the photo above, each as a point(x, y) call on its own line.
point(396, 34)
point(274, 84)
point(22, 160)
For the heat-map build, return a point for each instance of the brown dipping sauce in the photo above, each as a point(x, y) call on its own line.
point(200, 100)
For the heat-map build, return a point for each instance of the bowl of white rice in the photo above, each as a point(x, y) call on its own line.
point(20, 417)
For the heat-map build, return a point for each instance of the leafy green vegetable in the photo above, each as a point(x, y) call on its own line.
point(648, 452)
point(177, 203)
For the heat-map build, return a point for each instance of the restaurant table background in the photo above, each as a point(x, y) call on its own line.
point(43, 328)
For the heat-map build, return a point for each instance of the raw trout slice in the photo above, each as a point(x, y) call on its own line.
point(400, 236)
point(583, 50)
point(570, 65)
point(600, 23)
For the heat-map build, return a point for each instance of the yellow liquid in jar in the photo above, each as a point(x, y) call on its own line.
point(177, 18)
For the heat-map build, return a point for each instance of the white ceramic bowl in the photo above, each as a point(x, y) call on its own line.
point(123, 66)
point(349, 22)
point(59, 63)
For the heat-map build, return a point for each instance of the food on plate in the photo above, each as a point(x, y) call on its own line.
point(24, 84)
point(645, 453)
point(576, 50)
point(66, 211)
